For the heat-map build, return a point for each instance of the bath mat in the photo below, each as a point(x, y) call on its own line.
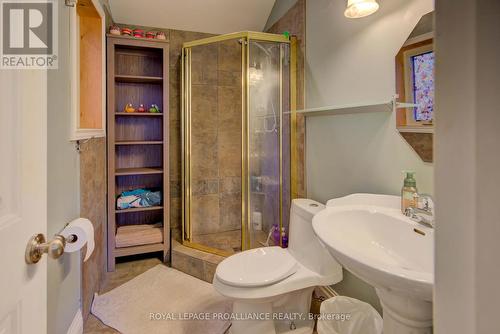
point(163, 300)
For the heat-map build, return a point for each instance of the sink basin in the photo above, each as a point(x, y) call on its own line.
point(387, 250)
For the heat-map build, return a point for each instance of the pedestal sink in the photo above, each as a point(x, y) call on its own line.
point(371, 238)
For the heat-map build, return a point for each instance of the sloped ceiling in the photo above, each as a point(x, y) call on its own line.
point(211, 16)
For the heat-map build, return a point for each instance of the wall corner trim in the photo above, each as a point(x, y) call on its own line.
point(76, 326)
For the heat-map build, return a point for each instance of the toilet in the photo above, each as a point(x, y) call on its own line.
point(271, 287)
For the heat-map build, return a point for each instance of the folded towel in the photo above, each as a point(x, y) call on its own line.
point(139, 198)
point(133, 235)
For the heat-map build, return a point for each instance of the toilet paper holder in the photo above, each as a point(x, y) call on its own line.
point(37, 246)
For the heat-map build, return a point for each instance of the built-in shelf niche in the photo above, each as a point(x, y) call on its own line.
point(138, 156)
point(88, 56)
point(137, 143)
point(146, 178)
point(129, 128)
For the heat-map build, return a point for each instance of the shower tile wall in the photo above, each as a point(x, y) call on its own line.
point(177, 38)
point(216, 145)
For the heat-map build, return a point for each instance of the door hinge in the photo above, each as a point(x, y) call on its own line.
point(70, 3)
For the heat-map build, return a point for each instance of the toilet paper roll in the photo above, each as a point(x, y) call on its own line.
point(84, 231)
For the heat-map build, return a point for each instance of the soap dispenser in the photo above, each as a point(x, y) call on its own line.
point(409, 192)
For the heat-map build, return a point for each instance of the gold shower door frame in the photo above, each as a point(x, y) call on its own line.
point(245, 38)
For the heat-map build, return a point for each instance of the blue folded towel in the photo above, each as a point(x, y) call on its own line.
point(138, 198)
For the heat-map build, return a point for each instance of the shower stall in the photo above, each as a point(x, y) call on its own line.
point(237, 124)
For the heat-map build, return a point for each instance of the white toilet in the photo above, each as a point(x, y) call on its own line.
point(272, 286)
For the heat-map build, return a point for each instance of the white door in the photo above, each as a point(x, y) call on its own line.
point(23, 199)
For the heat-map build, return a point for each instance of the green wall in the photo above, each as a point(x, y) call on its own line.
point(352, 62)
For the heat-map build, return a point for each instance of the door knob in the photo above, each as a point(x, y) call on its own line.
point(37, 246)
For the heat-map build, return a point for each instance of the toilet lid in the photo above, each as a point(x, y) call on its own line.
point(256, 267)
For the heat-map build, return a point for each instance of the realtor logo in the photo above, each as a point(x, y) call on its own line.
point(29, 34)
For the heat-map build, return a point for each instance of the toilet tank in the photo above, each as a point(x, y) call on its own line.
point(303, 243)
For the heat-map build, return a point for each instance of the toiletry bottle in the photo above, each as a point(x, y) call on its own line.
point(408, 191)
point(276, 234)
point(284, 239)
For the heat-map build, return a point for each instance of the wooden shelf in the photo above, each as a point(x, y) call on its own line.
point(139, 114)
point(138, 79)
point(132, 38)
point(137, 154)
point(378, 106)
point(357, 108)
point(151, 142)
point(149, 208)
point(416, 128)
point(142, 249)
point(138, 171)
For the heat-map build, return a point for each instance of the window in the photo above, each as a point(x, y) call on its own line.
point(419, 83)
point(415, 84)
point(422, 74)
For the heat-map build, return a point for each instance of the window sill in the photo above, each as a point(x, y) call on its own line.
point(82, 134)
point(416, 128)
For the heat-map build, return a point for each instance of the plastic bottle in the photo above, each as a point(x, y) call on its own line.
point(408, 191)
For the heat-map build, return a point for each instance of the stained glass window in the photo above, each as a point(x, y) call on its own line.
point(423, 85)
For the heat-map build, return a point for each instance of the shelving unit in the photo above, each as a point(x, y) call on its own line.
point(137, 144)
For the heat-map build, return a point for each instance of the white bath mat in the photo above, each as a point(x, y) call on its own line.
point(159, 301)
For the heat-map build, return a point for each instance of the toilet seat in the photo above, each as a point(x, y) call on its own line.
point(256, 267)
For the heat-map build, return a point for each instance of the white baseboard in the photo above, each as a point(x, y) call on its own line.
point(76, 326)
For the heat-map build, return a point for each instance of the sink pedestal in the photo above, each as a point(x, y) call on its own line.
point(405, 314)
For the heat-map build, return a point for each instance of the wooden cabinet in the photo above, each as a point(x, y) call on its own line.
point(88, 61)
point(137, 145)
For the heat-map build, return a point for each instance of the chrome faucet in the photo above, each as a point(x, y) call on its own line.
point(424, 212)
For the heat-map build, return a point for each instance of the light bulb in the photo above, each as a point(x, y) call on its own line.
point(360, 8)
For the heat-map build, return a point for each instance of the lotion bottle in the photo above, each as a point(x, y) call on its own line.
point(409, 191)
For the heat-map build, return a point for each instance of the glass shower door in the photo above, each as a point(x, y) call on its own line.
point(268, 185)
point(236, 142)
point(214, 159)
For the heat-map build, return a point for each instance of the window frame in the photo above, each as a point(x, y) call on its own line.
point(405, 116)
point(409, 81)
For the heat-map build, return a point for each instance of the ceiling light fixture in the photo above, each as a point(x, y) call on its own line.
point(360, 8)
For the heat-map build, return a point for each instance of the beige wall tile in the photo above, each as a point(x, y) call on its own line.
point(188, 265)
point(230, 211)
point(228, 78)
point(229, 58)
point(230, 185)
point(205, 214)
